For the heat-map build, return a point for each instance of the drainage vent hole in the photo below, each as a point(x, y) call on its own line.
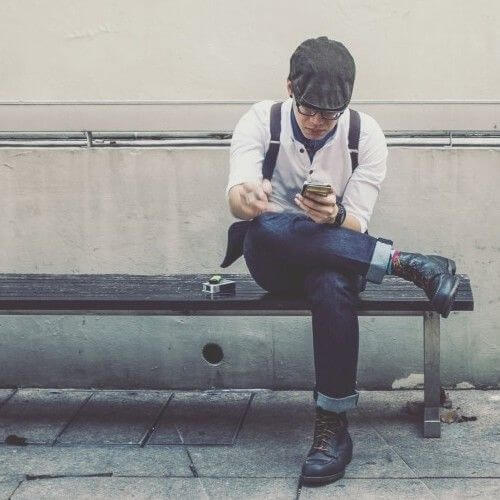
point(212, 353)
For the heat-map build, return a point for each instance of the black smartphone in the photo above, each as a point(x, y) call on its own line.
point(320, 188)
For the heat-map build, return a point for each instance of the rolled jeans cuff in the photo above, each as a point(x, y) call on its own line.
point(379, 262)
point(337, 405)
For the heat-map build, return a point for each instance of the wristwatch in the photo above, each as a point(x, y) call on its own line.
point(340, 217)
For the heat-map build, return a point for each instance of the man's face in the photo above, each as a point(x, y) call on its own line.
point(313, 127)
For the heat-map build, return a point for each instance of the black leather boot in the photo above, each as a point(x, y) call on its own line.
point(331, 450)
point(429, 274)
point(447, 265)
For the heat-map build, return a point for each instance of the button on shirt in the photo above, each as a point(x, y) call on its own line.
point(330, 163)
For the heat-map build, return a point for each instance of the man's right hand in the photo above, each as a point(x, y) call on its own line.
point(253, 199)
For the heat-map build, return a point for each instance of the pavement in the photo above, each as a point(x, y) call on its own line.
point(235, 444)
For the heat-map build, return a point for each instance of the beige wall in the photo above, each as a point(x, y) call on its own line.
point(154, 211)
point(169, 50)
point(168, 65)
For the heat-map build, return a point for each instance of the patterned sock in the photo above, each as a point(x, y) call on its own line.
point(391, 260)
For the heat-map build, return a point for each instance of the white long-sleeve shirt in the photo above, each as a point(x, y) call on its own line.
point(332, 163)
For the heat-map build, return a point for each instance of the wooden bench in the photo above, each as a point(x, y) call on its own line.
point(181, 294)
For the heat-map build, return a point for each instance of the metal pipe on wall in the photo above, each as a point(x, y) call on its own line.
point(477, 139)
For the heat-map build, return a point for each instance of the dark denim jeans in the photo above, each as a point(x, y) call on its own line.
point(288, 253)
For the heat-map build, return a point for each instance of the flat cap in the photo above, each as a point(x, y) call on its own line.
point(322, 73)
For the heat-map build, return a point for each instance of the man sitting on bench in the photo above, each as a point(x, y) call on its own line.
point(316, 243)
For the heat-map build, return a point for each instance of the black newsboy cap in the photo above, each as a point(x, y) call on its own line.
point(322, 73)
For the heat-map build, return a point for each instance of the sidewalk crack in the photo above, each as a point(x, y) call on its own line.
point(16, 488)
point(242, 419)
point(150, 431)
point(35, 477)
point(71, 419)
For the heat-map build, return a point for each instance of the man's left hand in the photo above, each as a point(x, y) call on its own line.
point(321, 209)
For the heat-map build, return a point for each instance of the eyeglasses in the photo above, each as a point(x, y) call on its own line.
point(327, 115)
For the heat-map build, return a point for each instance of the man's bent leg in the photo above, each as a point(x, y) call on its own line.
point(273, 272)
point(332, 295)
point(302, 242)
point(333, 298)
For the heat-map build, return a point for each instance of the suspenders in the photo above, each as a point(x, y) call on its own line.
point(274, 146)
point(237, 230)
point(353, 137)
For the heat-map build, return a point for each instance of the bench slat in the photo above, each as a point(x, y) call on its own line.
point(183, 292)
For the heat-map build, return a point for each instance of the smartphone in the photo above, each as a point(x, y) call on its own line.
point(320, 188)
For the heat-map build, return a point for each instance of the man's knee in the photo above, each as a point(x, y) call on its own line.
point(268, 227)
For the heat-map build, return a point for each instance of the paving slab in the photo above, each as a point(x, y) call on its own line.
point(39, 414)
point(271, 442)
point(210, 417)
point(38, 460)
point(111, 488)
point(250, 488)
point(115, 417)
point(391, 458)
point(373, 458)
point(382, 489)
point(8, 484)
point(467, 449)
point(464, 488)
point(276, 436)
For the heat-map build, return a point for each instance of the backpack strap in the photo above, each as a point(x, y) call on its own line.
point(353, 137)
point(274, 145)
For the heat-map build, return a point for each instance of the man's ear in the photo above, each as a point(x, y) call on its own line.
point(289, 87)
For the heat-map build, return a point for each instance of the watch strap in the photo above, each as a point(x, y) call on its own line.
point(341, 214)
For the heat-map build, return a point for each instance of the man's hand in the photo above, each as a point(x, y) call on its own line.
point(321, 209)
point(252, 199)
point(255, 197)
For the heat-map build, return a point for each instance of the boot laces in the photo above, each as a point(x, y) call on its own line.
point(326, 427)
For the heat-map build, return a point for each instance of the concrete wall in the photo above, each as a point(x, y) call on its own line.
point(146, 211)
point(191, 65)
point(125, 65)
point(226, 49)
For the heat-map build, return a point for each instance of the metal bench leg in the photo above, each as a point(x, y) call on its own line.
point(432, 424)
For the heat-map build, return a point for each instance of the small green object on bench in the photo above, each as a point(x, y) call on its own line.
point(216, 278)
